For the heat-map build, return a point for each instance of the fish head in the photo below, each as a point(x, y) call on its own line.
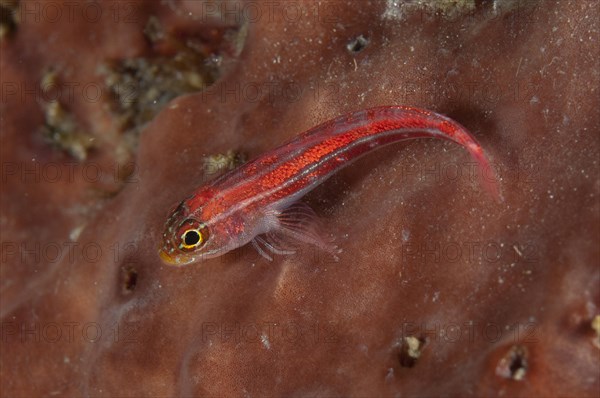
point(196, 230)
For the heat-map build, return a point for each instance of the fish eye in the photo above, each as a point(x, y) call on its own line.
point(193, 235)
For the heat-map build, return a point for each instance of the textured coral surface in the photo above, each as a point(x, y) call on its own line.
point(438, 290)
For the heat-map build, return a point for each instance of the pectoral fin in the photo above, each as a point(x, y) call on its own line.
point(299, 223)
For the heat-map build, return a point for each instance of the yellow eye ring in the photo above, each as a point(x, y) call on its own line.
point(192, 235)
point(191, 239)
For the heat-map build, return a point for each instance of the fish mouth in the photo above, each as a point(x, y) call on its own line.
point(170, 260)
point(166, 257)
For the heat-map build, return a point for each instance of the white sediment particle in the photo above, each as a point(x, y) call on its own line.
point(265, 341)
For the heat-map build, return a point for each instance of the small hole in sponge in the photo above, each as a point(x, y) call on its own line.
point(130, 279)
point(410, 351)
point(514, 364)
point(358, 44)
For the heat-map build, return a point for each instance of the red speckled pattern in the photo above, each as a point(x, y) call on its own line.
point(284, 165)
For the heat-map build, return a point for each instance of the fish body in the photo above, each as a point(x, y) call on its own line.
point(259, 202)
